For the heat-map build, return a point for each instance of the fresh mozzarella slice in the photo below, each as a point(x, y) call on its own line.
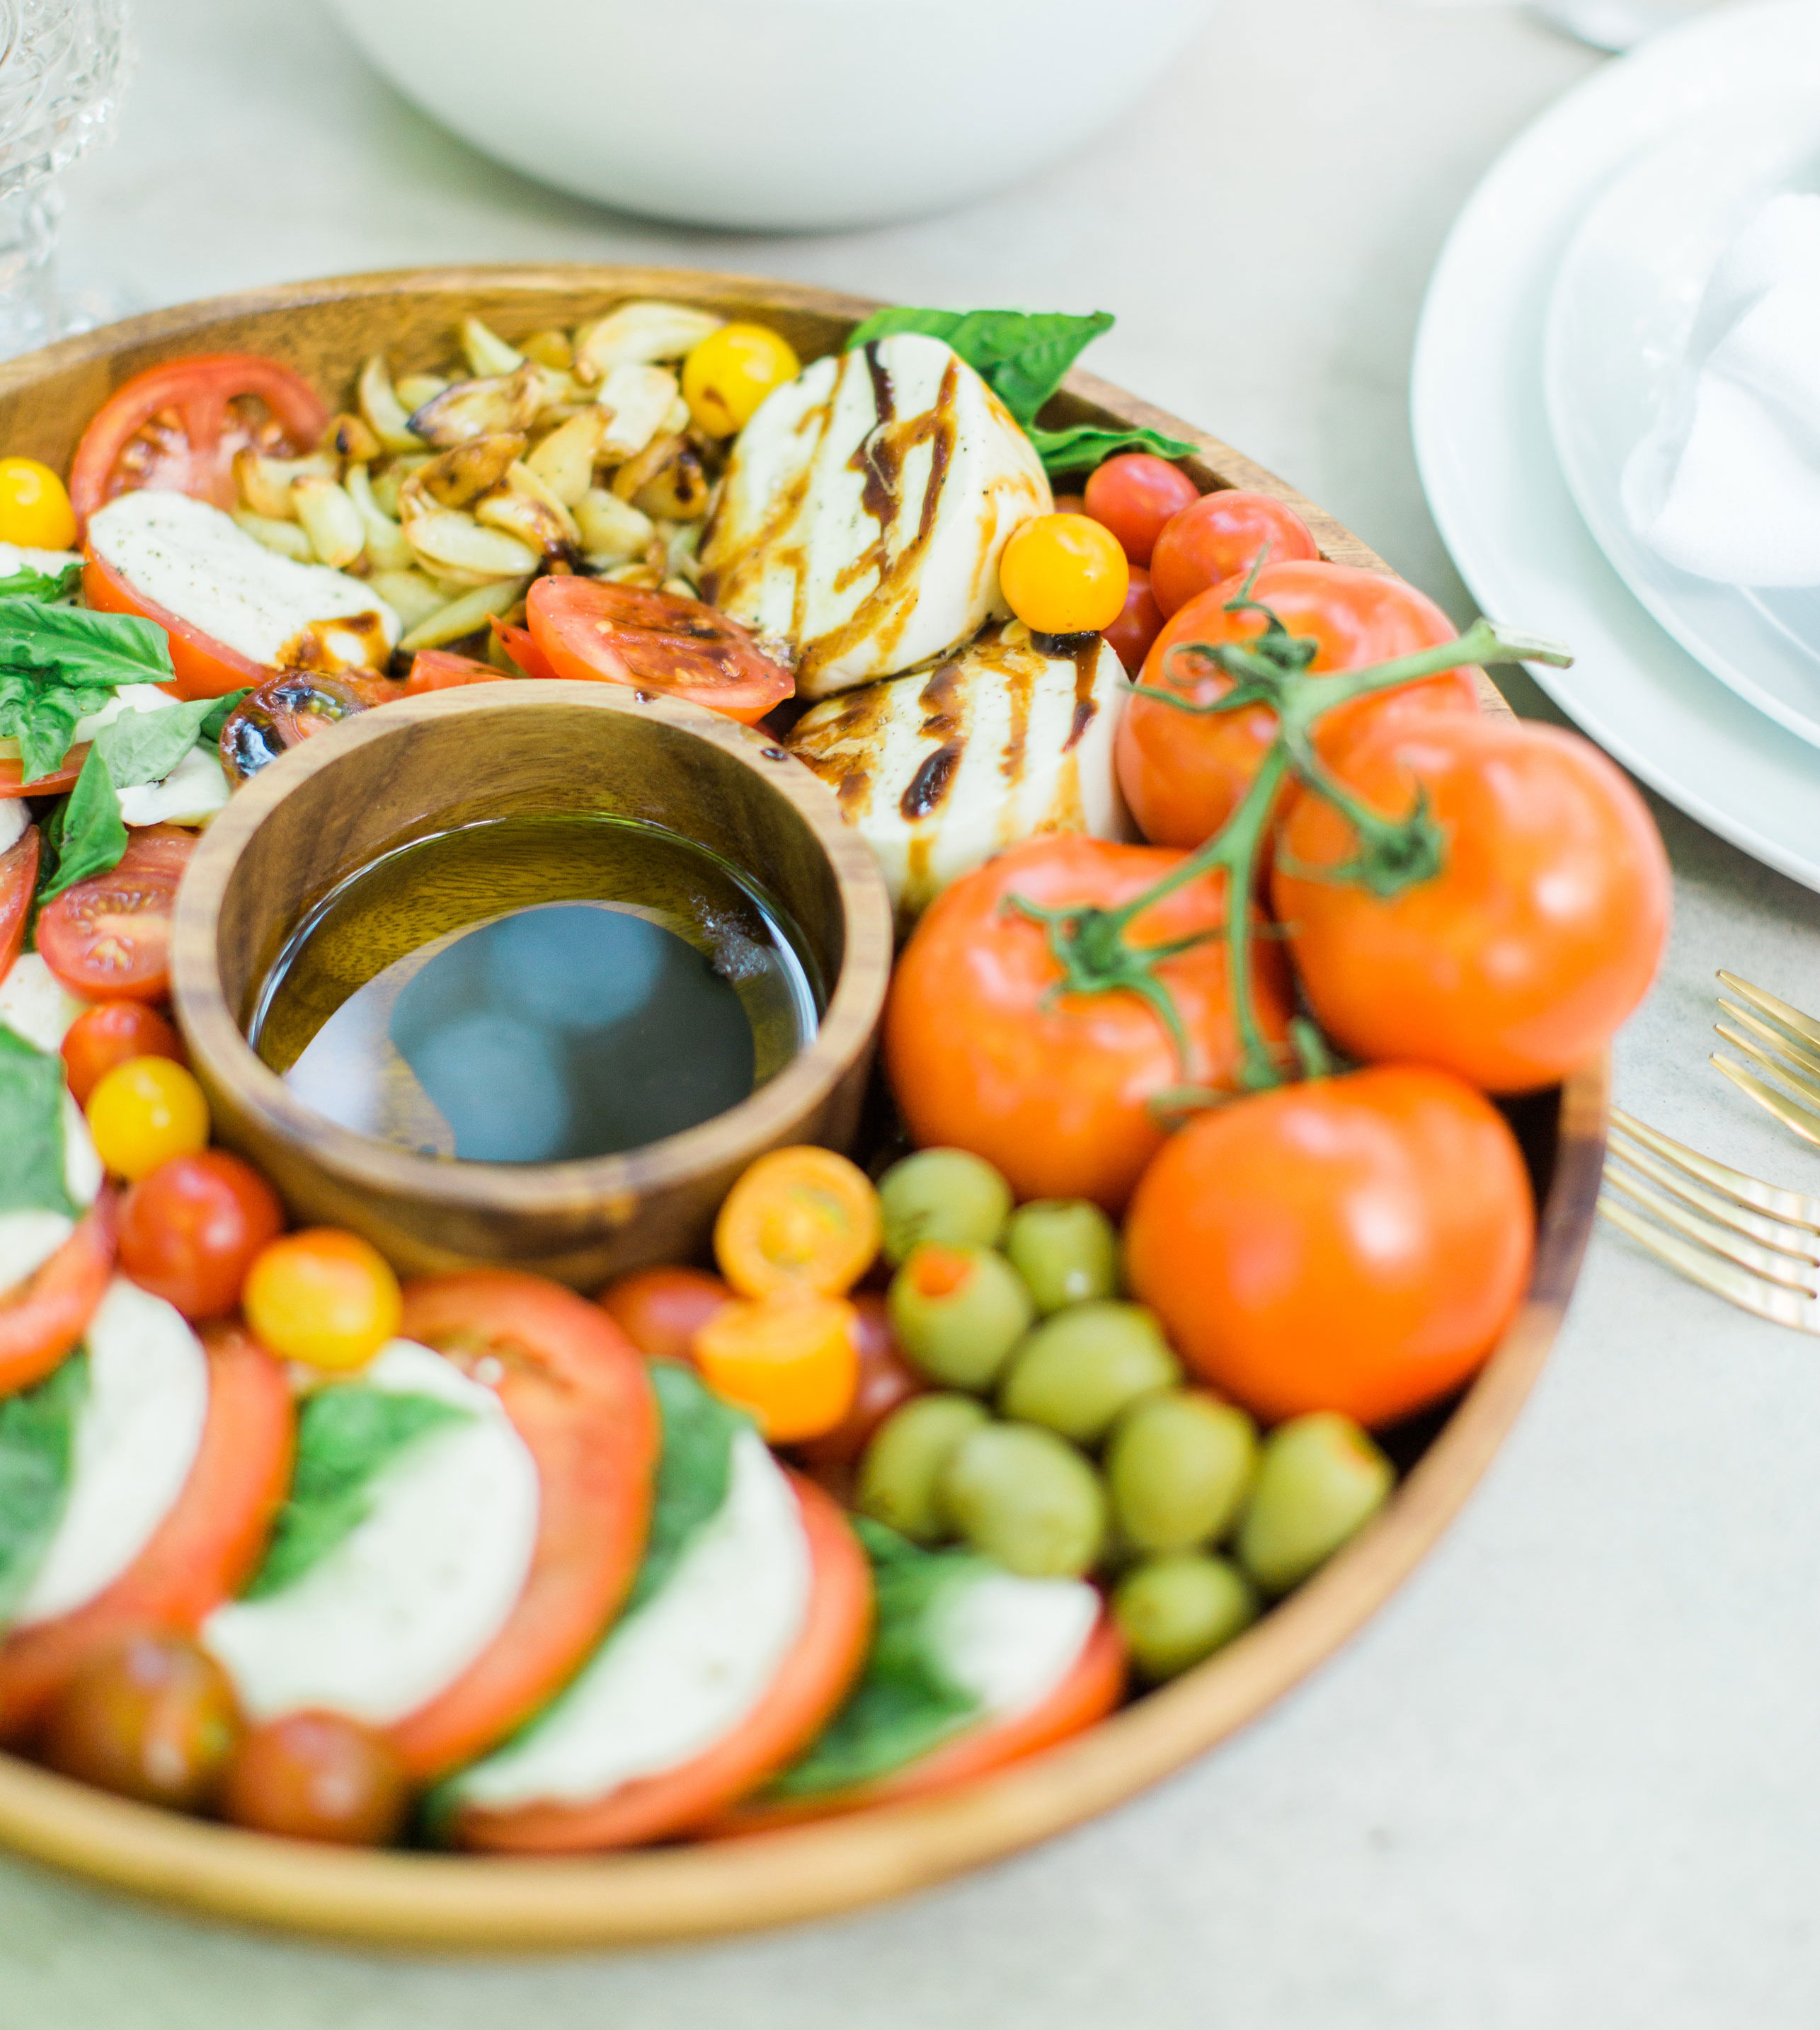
point(192, 794)
point(940, 771)
point(136, 1437)
point(35, 1004)
point(407, 1600)
point(198, 563)
point(1010, 1641)
point(14, 817)
point(27, 1240)
point(863, 510)
point(16, 557)
point(685, 1669)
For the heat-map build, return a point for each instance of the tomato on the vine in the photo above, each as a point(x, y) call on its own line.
point(1135, 495)
point(1222, 535)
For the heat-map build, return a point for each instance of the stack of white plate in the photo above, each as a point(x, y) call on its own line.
point(1554, 321)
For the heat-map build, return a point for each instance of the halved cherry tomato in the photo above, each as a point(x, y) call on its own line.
point(107, 1034)
point(655, 642)
point(205, 667)
point(1184, 774)
point(18, 878)
point(521, 645)
point(44, 1318)
point(1135, 495)
point(200, 1555)
point(791, 1360)
point(1220, 536)
point(801, 1218)
point(13, 783)
point(108, 938)
point(576, 1390)
point(985, 1053)
point(660, 1310)
point(886, 1379)
point(189, 1231)
point(322, 1296)
point(797, 1703)
point(1088, 1693)
point(437, 670)
point(176, 427)
point(291, 706)
point(1138, 625)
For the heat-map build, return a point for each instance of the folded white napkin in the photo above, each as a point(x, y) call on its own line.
point(1727, 483)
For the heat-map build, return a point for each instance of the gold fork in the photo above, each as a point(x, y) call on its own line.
point(1748, 1241)
point(1793, 1056)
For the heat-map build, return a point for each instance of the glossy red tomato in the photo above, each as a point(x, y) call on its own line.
point(108, 938)
point(1183, 775)
point(983, 1054)
point(18, 878)
point(188, 1232)
point(318, 1776)
point(1222, 535)
point(1134, 495)
point(660, 1310)
point(1138, 625)
point(436, 670)
point(1517, 963)
point(107, 1034)
point(1357, 1244)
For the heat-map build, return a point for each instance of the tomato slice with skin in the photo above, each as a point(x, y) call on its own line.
point(108, 938)
point(205, 667)
point(440, 670)
point(800, 1700)
point(18, 878)
point(577, 1393)
point(43, 1318)
point(176, 427)
point(13, 783)
point(654, 641)
point(201, 1554)
point(521, 645)
point(1088, 1693)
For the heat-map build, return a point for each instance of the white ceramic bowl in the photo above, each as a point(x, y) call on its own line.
point(785, 115)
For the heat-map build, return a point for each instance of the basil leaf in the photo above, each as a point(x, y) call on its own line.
point(93, 834)
point(83, 645)
point(145, 746)
point(906, 1703)
point(32, 1090)
point(1082, 446)
point(216, 715)
point(348, 1435)
point(37, 1440)
point(26, 583)
point(693, 1472)
point(1021, 355)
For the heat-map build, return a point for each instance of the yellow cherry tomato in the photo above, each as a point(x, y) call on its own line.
point(1064, 574)
point(792, 1360)
point(145, 1111)
point(732, 371)
point(799, 1219)
point(323, 1297)
point(34, 509)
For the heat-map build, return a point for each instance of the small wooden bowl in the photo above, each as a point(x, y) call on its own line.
point(440, 1900)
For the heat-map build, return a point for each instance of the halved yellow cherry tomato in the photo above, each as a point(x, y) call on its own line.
point(732, 371)
point(144, 1112)
point(322, 1296)
point(791, 1359)
point(1064, 574)
point(34, 509)
point(799, 1219)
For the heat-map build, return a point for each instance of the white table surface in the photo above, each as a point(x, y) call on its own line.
point(1571, 1777)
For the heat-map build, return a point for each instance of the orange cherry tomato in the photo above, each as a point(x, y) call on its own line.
point(1357, 1244)
point(1184, 774)
point(799, 1219)
point(984, 1054)
point(1064, 574)
point(1222, 535)
point(107, 1034)
point(190, 1229)
point(1517, 963)
point(791, 1359)
point(1138, 625)
point(436, 670)
point(318, 1776)
point(44, 1318)
point(660, 1310)
point(1135, 495)
point(145, 1112)
point(108, 938)
point(326, 1297)
point(18, 879)
point(886, 1379)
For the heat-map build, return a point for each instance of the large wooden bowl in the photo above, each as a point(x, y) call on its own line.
point(325, 329)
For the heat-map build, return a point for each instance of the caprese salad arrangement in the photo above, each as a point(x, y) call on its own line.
point(1210, 981)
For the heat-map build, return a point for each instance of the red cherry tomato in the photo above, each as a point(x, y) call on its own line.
point(108, 937)
point(1220, 536)
point(1134, 495)
point(660, 1310)
point(436, 670)
point(107, 1034)
point(18, 878)
point(42, 1318)
point(521, 645)
point(189, 1231)
point(1138, 625)
point(318, 1776)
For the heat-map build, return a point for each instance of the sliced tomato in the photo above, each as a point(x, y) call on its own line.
point(577, 1393)
point(200, 1555)
point(655, 642)
point(108, 938)
point(438, 670)
point(291, 707)
point(799, 1701)
point(205, 667)
point(521, 645)
point(44, 1318)
point(175, 428)
point(13, 783)
point(1088, 1694)
point(18, 878)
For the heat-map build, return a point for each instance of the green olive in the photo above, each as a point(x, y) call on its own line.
point(1026, 1497)
point(1178, 1467)
point(942, 1195)
point(1174, 1611)
point(1078, 1369)
point(1066, 1250)
point(900, 1475)
point(958, 1312)
point(1319, 1480)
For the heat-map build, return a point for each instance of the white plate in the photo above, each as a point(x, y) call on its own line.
point(1496, 488)
point(1623, 305)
